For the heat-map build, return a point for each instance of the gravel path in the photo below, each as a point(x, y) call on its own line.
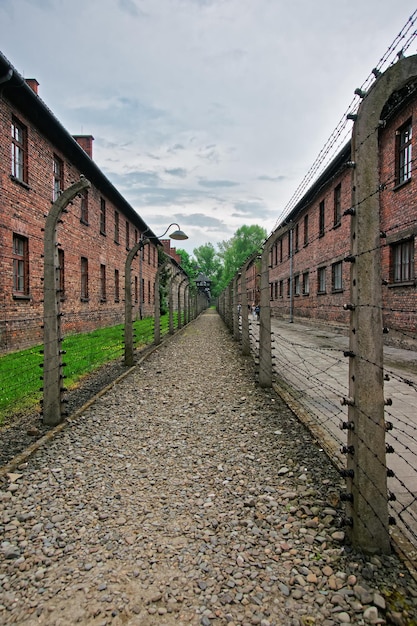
point(187, 495)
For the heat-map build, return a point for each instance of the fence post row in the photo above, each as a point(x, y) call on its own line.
point(52, 349)
point(367, 497)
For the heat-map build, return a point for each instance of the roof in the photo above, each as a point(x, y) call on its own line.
point(14, 88)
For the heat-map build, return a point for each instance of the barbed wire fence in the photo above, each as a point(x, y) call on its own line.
point(315, 378)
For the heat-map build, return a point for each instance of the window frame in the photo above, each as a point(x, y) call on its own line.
point(58, 177)
point(321, 218)
point(406, 261)
point(306, 230)
point(19, 151)
point(337, 205)
point(102, 216)
point(20, 266)
point(103, 283)
point(61, 273)
point(116, 226)
point(337, 277)
point(84, 279)
point(403, 153)
point(306, 284)
point(116, 285)
point(321, 280)
point(84, 207)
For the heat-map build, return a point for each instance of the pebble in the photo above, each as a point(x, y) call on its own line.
point(185, 495)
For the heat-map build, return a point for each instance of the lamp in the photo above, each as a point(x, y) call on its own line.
point(178, 234)
point(143, 241)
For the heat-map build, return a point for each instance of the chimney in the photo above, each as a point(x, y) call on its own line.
point(86, 143)
point(33, 84)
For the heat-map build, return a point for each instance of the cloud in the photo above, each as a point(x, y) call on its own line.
point(179, 172)
point(130, 7)
point(200, 219)
point(217, 183)
point(252, 208)
point(273, 179)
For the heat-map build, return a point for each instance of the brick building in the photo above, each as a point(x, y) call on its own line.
point(309, 268)
point(38, 160)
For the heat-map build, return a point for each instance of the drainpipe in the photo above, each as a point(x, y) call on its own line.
point(291, 278)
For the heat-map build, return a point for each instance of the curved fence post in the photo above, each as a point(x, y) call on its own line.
point(52, 360)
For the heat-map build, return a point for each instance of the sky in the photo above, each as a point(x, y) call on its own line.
point(207, 113)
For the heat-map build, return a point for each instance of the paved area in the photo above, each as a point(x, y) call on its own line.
point(187, 495)
point(311, 361)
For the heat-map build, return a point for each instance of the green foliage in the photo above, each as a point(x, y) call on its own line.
point(188, 264)
point(246, 241)
point(221, 265)
point(210, 264)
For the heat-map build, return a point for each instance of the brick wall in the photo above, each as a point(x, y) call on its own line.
point(22, 211)
point(398, 211)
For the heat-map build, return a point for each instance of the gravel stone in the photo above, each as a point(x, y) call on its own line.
point(184, 495)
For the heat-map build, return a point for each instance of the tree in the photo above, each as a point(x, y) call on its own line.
point(246, 241)
point(209, 263)
point(188, 263)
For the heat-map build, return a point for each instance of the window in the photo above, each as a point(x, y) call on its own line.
point(403, 153)
point(297, 235)
point(280, 251)
point(305, 230)
point(321, 280)
point(127, 236)
point(19, 151)
point(271, 291)
point(84, 207)
point(58, 167)
point(297, 285)
point(20, 266)
point(136, 236)
point(149, 254)
point(102, 282)
point(116, 226)
point(142, 295)
point(306, 284)
point(288, 287)
point(136, 289)
point(61, 273)
point(84, 278)
point(276, 290)
point(337, 276)
point(337, 205)
point(102, 216)
point(116, 286)
point(149, 291)
point(402, 261)
point(281, 288)
point(290, 234)
point(321, 219)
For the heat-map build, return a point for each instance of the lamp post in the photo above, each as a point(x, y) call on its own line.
point(177, 235)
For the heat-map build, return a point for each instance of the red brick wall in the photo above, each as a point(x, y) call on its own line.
point(318, 252)
point(398, 221)
point(398, 210)
point(22, 211)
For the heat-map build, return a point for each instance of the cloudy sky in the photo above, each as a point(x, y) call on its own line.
point(205, 112)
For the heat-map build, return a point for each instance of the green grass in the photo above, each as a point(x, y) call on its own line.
point(20, 372)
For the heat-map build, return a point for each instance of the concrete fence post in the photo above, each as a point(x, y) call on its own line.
point(52, 339)
point(265, 344)
point(235, 311)
point(366, 453)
